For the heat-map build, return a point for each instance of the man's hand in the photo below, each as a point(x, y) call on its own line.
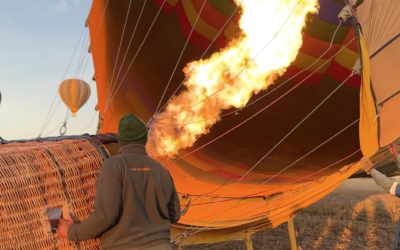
point(366, 165)
point(393, 150)
point(63, 226)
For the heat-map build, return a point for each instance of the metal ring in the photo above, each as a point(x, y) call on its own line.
point(184, 235)
point(65, 130)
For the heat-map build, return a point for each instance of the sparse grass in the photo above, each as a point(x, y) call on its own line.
point(357, 215)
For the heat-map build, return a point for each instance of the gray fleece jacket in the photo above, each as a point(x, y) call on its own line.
point(135, 204)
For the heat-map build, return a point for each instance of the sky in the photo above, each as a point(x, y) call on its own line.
point(37, 41)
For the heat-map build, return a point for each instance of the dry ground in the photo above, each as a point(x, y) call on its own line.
point(357, 215)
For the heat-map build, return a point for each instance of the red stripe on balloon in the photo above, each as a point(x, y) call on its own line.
point(340, 73)
point(186, 28)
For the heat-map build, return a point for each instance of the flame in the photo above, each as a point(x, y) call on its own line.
point(223, 81)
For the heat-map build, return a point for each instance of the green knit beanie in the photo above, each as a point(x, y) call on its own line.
point(132, 130)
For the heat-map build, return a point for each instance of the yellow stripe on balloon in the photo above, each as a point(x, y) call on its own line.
point(346, 58)
point(201, 27)
point(303, 61)
point(230, 31)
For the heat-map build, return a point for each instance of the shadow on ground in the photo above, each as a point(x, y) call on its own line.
point(357, 215)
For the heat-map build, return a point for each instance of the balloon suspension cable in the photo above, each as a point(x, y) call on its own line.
point(248, 118)
point(235, 236)
point(47, 120)
point(80, 63)
point(251, 117)
point(202, 56)
point(305, 184)
point(298, 125)
point(275, 100)
point(180, 57)
point(244, 68)
point(112, 84)
point(173, 72)
point(82, 55)
point(265, 182)
point(90, 122)
point(247, 65)
point(287, 135)
point(68, 114)
point(137, 52)
point(119, 49)
point(269, 190)
point(236, 112)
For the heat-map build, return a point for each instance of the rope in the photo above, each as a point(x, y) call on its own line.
point(68, 115)
point(351, 124)
point(298, 180)
point(76, 74)
point(268, 93)
point(54, 129)
point(119, 48)
point(84, 69)
point(247, 65)
point(89, 124)
point(257, 113)
point(97, 31)
point(234, 237)
point(209, 46)
point(269, 190)
point(55, 97)
point(285, 138)
point(287, 135)
point(179, 59)
point(85, 57)
point(126, 53)
point(81, 56)
point(130, 65)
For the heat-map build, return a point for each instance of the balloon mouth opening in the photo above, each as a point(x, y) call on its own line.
point(73, 114)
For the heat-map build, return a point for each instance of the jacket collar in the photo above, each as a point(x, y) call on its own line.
point(133, 148)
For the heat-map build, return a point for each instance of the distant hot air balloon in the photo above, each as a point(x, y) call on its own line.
point(74, 93)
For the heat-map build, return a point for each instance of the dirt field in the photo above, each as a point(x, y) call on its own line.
point(357, 215)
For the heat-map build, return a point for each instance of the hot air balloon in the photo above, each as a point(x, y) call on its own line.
point(264, 155)
point(204, 173)
point(74, 93)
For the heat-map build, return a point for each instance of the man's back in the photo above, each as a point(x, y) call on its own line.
point(136, 203)
point(136, 200)
point(149, 203)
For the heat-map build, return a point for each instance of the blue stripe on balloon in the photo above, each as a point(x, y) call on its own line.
point(329, 11)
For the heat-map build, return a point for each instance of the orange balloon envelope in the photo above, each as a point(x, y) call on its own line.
point(74, 93)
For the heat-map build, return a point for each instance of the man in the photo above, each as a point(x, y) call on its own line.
point(388, 184)
point(136, 200)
